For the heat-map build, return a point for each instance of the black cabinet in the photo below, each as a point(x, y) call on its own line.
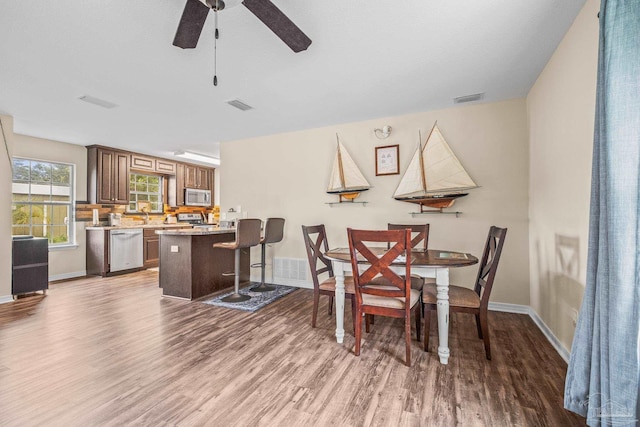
point(30, 262)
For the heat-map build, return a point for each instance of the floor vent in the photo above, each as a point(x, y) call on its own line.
point(291, 270)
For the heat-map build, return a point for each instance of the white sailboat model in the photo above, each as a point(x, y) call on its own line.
point(346, 179)
point(435, 177)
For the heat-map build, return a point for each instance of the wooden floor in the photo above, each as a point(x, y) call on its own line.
point(112, 351)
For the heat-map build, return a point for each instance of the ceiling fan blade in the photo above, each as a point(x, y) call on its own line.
point(191, 23)
point(278, 22)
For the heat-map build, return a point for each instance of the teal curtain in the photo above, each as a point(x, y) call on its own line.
point(603, 375)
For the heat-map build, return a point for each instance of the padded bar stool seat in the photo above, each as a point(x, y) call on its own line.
point(247, 235)
point(273, 233)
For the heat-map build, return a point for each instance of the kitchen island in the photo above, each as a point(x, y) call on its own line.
point(191, 268)
point(100, 252)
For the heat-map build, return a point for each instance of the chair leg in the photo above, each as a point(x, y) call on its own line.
point(316, 301)
point(330, 305)
point(263, 266)
point(358, 332)
point(427, 324)
point(417, 314)
point(484, 323)
point(407, 337)
point(353, 311)
point(478, 325)
point(236, 296)
point(367, 318)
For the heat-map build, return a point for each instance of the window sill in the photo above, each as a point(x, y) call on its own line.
point(68, 247)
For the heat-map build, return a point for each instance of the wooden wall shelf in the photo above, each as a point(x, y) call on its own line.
point(439, 212)
point(346, 203)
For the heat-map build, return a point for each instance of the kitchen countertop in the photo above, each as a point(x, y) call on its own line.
point(199, 231)
point(121, 227)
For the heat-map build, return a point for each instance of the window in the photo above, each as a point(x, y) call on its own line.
point(145, 188)
point(42, 200)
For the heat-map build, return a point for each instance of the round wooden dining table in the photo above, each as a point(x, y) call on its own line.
point(431, 263)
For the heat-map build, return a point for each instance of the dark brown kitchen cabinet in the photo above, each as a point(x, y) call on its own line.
point(203, 179)
point(143, 163)
point(152, 164)
point(107, 176)
point(165, 166)
point(151, 248)
point(180, 184)
point(197, 177)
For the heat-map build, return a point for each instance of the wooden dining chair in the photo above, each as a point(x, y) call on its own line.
point(316, 243)
point(419, 242)
point(476, 300)
point(379, 290)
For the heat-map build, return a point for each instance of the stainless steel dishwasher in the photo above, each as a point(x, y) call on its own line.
point(125, 249)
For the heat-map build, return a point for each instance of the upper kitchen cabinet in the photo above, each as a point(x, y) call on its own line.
point(198, 177)
point(107, 176)
point(152, 164)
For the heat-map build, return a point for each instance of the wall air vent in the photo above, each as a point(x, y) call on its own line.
point(468, 98)
point(239, 105)
point(97, 101)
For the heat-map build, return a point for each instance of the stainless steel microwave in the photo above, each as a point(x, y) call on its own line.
point(195, 197)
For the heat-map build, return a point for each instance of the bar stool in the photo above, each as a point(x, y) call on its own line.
point(273, 233)
point(247, 235)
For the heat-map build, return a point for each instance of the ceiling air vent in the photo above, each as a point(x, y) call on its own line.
point(468, 98)
point(97, 101)
point(239, 105)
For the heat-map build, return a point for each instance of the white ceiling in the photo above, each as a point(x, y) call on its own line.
point(368, 59)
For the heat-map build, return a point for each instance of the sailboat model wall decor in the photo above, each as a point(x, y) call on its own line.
point(435, 177)
point(346, 179)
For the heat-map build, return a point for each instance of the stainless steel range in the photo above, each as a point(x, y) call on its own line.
point(191, 218)
point(195, 219)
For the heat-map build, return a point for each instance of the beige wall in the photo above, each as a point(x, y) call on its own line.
point(5, 212)
point(561, 108)
point(287, 174)
point(67, 262)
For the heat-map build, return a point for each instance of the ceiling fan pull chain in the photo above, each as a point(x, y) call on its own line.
point(215, 47)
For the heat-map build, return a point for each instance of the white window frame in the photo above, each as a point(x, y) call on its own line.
point(133, 194)
point(71, 218)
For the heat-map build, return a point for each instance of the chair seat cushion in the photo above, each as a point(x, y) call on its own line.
point(390, 302)
point(458, 296)
point(330, 285)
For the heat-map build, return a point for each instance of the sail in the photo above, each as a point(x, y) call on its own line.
point(412, 182)
point(345, 175)
point(442, 170)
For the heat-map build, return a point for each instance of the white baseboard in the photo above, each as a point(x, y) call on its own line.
point(70, 275)
point(525, 309)
point(510, 308)
point(555, 342)
point(5, 299)
point(287, 282)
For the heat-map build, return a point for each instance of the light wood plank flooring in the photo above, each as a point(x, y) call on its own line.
point(112, 351)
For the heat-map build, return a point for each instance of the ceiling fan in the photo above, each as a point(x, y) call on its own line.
point(196, 11)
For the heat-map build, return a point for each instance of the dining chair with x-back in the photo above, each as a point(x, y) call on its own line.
point(419, 242)
point(315, 240)
point(380, 290)
point(466, 300)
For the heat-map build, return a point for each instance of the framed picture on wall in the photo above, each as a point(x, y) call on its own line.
point(387, 160)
